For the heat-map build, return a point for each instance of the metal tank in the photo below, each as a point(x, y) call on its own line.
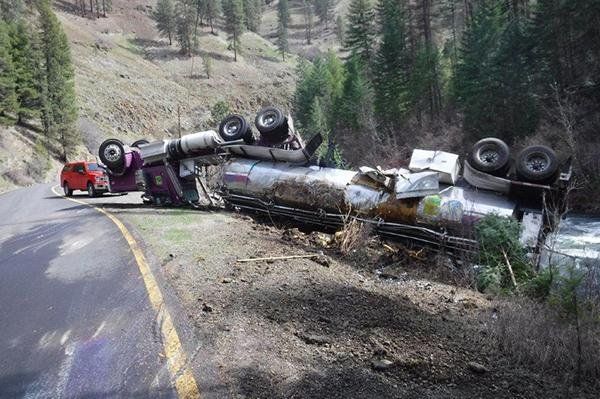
point(396, 202)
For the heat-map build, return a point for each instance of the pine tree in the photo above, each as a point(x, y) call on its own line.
point(318, 91)
point(308, 20)
point(59, 110)
point(392, 62)
point(360, 31)
point(283, 12)
point(252, 14)
point(27, 73)
point(339, 29)
point(164, 16)
point(11, 10)
point(355, 124)
point(106, 7)
point(282, 27)
point(233, 11)
point(323, 78)
point(492, 81)
point(8, 98)
point(324, 10)
point(357, 95)
point(201, 10)
point(213, 11)
point(186, 19)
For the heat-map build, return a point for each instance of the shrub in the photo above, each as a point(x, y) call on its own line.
point(501, 255)
point(219, 111)
point(540, 285)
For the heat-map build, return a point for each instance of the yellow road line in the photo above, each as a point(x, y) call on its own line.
point(185, 383)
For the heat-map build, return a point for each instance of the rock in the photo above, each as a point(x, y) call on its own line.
point(291, 234)
point(313, 339)
point(379, 350)
point(207, 308)
point(323, 260)
point(477, 368)
point(382, 364)
point(387, 275)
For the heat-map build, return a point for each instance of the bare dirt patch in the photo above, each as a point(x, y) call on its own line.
point(376, 323)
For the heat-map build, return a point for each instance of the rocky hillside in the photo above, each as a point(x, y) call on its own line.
point(130, 83)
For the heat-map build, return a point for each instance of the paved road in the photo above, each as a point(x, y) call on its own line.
point(75, 319)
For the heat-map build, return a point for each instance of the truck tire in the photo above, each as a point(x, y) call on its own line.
point(138, 143)
point(91, 190)
point(234, 127)
point(537, 164)
point(272, 124)
point(490, 155)
point(112, 154)
point(68, 192)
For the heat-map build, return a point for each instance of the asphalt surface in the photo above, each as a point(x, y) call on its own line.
point(75, 318)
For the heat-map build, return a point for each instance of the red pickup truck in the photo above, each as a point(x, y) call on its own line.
point(84, 176)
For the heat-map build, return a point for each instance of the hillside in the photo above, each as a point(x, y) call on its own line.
point(322, 38)
point(130, 82)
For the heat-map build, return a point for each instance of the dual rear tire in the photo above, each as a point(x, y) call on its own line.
point(535, 164)
point(270, 122)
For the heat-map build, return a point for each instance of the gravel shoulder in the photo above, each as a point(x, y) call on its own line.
point(376, 323)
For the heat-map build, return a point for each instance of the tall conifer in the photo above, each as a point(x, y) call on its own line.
point(360, 30)
point(59, 110)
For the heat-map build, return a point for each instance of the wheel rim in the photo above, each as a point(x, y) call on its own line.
point(112, 153)
point(90, 190)
point(66, 189)
point(537, 163)
point(488, 156)
point(232, 127)
point(268, 119)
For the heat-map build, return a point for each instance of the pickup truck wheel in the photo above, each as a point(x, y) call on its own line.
point(272, 124)
point(537, 164)
point(234, 127)
point(91, 190)
point(112, 154)
point(68, 192)
point(491, 156)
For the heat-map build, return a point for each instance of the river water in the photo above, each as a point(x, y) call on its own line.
point(577, 242)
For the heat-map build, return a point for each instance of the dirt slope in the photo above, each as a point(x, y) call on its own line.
point(130, 82)
point(23, 159)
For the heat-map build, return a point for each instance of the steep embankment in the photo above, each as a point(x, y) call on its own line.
point(23, 159)
point(130, 83)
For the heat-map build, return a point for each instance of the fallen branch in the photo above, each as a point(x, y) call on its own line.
point(512, 275)
point(278, 258)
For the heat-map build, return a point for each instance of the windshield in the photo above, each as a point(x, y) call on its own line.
point(93, 167)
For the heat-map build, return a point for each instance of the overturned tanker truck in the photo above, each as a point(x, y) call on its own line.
point(430, 202)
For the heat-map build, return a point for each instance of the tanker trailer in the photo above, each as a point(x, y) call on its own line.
point(397, 203)
point(430, 202)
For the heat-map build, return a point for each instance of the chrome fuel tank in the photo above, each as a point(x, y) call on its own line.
point(344, 191)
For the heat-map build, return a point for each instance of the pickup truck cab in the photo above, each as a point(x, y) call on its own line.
point(84, 176)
